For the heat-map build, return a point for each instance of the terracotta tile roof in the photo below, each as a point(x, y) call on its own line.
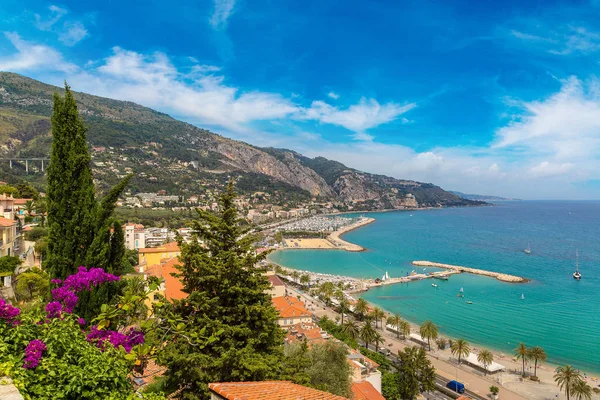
point(372, 364)
point(165, 248)
point(5, 222)
point(275, 280)
point(289, 307)
point(151, 372)
point(21, 202)
point(365, 391)
point(269, 390)
point(304, 331)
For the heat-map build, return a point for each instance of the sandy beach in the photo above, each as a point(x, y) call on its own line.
point(512, 386)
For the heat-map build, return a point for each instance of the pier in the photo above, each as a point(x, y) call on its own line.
point(459, 269)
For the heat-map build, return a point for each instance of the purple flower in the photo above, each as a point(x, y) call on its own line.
point(33, 353)
point(9, 313)
point(53, 309)
point(66, 297)
point(81, 321)
point(56, 281)
point(117, 339)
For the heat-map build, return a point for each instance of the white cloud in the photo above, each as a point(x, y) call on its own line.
point(73, 33)
point(562, 40)
point(546, 169)
point(367, 114)
point(223, 9)
point(30, 56)
point(565, 125)
point(333, 95)
point(45, 24)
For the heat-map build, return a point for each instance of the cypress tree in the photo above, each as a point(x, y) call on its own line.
point(227, 297)
point(79, 226)
point(71, 197)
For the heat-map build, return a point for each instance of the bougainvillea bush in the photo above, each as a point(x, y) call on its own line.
point(51, 353)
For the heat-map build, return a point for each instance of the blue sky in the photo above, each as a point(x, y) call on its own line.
point(478, 96)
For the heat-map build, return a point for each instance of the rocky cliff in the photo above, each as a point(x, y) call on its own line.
point(165, 153)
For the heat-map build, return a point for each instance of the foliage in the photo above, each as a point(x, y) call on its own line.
point(429, 331)
point(77, 222)
point(360, 308)
point(522, 353)
point(36, 233)
point(227, 299)
point(441, 343)
point(384, 363)
point(9, 190)
point(33, 283)
point(460, 348)
point(494, 390)
point(340, 332)
point(415, 375)
point(538, 355)
point(50, 354)
point(8, 264)
point(329, 369)
point(367, 333)
point(567, 378)
point(486, 358)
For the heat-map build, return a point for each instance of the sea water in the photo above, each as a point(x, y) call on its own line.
point(558, 313)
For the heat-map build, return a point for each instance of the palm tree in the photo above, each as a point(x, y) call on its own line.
point(460, 348)
point(367, 333)
point(395, 321)
point(29, 207)
point(429, 331)
point(361, 308)
point(327, 290)
point(581, 390)
point(305, 280)
point(379, 314)
point(344, 304)
point(538, 355)
point(351, 328)
point(378, 339)
point(521, 352)
point(486, 358)
point(565, 377)
point(295, 275)
point(405, 329)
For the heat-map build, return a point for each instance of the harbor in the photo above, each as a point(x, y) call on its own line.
point(459, 269)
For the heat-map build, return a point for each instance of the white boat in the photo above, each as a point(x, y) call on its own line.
point(522, 296)
point(461, 290)
point(434, 285)
point(576, 274)
point(528, 249)
point(387, 276)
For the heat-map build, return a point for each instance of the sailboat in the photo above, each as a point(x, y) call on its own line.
point(576, 274)
point(522, 296)
point(528, 249)
point(461, 290)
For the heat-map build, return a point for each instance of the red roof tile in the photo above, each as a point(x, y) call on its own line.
point(269, 390)
point(289, 307)
point(365, 391)
point(5, 222)
point(275, 280)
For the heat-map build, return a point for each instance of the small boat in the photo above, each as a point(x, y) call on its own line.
point(461, 290)
point(528, 249)
point(434, 285)
point(469, 302)
point(576, 274)
point(522, 296)
point(441, 277)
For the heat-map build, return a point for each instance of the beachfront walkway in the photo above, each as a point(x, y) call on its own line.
point(510, 389)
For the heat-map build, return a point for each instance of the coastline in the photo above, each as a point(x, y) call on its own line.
point(332, 242)
point(458, 269)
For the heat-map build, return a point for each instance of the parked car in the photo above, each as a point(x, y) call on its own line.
point(385, 352)
point(456, 386)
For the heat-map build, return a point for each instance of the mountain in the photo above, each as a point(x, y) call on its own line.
point(480, 197)
point(167, 154)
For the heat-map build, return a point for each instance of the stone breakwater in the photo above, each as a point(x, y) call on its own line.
point(342, 244)
point(459, 268)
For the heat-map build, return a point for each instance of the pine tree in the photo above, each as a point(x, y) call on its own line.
point(79, 227)
point(226, 294)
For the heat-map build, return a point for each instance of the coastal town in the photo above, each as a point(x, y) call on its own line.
point(314, 200)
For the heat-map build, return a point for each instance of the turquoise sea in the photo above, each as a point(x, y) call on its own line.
point(558, 313)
